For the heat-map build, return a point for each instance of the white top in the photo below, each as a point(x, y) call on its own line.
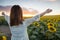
point(20, 32)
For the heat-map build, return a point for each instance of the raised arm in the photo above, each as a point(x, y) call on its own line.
point(6, 17)
point(36, 18)
point(47, 11)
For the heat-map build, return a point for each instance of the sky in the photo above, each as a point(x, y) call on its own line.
point(38, 5)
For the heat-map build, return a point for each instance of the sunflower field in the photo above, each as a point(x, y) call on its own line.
point(47, 28)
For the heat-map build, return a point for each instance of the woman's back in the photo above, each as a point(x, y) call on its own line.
point(19, 32)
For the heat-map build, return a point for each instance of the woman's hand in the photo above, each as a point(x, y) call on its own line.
point(48, 11)
point(3, 13)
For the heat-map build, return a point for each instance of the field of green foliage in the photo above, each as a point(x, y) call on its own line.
point(2, 21)
point(47, 28)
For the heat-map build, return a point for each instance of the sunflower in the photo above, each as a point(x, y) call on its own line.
point(50, 24)
point(4, 37)
point(36, 24)
point(51, 29)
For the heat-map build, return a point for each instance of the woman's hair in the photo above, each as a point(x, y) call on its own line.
point(16, 16)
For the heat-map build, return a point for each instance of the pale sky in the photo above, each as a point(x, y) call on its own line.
point(39, 5)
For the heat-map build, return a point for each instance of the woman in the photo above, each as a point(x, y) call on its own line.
point(18, 27)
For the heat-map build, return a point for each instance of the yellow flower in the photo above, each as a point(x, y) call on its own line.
point(4, 37)
point(52, 29)
point(54, 19)
point(36, 24)
point(50, 24)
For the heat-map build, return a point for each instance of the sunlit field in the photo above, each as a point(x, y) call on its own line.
point(47, 28)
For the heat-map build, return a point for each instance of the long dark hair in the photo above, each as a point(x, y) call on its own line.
point(16, 16)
